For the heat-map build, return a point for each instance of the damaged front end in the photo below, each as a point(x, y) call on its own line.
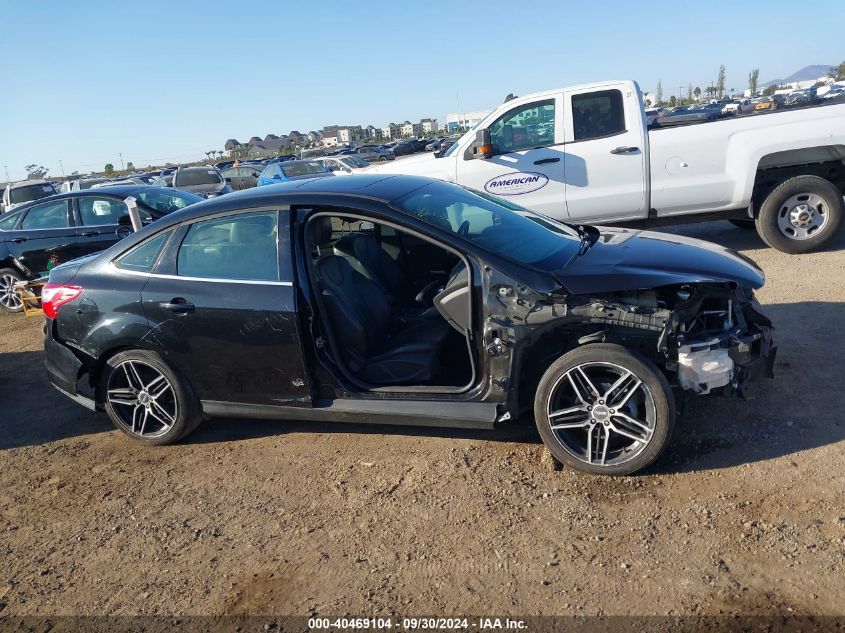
point(707, 337)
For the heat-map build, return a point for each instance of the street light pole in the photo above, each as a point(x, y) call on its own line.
point(6, 167)
point(63, 168)
point(122, 168)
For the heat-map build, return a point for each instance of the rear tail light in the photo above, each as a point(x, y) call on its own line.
point(54, 296)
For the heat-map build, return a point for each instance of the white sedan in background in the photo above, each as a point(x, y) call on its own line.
point(342, 165)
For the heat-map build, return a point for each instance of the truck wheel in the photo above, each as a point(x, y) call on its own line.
point(800, 215)
point(604, 410)
point(10, 300)
point(147, 400)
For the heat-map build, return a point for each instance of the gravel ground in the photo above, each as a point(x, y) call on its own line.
point(745, 514)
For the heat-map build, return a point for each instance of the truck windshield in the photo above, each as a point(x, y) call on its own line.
point(493, 224)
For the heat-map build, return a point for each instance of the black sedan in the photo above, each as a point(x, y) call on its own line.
point(690, 114)
point(404, 300)
point(42, 234)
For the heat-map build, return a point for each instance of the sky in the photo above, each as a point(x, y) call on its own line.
point(84, 82)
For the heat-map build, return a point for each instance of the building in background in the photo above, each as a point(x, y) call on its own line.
point(456, 121)
point(429, 126)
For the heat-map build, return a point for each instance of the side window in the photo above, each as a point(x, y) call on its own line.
point(240, 247)
point(51, 215)
point(95, 211)
point(143, 257)
point(525, 127)
point(8, 223)
point(597, 114)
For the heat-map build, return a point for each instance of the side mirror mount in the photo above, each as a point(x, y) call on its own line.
point(483, 146)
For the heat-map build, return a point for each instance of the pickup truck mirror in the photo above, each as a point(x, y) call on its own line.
point(483, 146)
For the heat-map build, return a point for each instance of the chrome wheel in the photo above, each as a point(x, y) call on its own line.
point(9, 298)
point(802, 216)
point(143, 400)
point(601, 413)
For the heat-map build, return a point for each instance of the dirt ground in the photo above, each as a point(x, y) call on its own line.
point(745, 514)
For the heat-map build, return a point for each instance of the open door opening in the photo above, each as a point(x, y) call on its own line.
point(395, 308)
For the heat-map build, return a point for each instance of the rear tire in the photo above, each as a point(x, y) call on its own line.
point(147, 399)
point(382, 159)
point(616, 421)
point(800, 215)
point(10, 300)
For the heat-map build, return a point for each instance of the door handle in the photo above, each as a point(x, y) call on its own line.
point(19, 240)
point(545, 161)
point(89, 233)
point(178, 305)
point(625, 150)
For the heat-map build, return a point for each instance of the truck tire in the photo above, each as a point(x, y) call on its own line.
point(800, 215)
point(604, 409)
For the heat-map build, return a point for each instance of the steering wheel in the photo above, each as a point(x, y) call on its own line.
point(463, 229)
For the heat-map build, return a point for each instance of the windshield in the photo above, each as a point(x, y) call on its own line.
point(166, 200)
point(197, 177)
point(29, 193)
point(493, 224)
point(355, 161)
point(303, 169)
point(87, 184)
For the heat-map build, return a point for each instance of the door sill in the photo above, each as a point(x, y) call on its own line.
point(464, 415)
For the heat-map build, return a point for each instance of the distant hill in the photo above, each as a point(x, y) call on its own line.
point(805, 74)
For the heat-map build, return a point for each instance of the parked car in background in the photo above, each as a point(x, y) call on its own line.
point(653, 114)
point(311, 152)
point(691, 114)
point(588, 328)
point(403, 148)
point(738, 106)
point(836, 92)
point(433, 144)
point(445, 144)
point(343, 165)
point(203, 181)
point(374, 153)
point(770, 103)
point(18, 193)
point(39, 235)
point(799, 98)
point(292, 170)
point(80, 184)
point(242, 176)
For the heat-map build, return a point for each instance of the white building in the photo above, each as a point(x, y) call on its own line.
point(391, 130)
point(464, 120)
point(429, 126)
point(409, 129)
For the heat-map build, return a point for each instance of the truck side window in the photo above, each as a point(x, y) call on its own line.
point(597, 114)
point(526, 127)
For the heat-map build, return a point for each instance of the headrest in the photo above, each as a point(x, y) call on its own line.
point(321, 230)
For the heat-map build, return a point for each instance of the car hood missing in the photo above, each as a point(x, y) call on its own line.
point(628, 259)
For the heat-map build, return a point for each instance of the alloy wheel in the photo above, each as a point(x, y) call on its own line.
point(142, 399)
point(802, 216)
point(601, 413)
point(9, 298)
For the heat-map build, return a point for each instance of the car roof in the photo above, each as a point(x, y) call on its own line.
point(381, 187)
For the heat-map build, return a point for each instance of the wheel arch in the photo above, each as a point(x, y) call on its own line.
point(825, 161)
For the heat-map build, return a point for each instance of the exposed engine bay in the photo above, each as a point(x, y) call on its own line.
point(707, 337)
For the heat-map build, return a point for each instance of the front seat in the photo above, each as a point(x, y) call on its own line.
point(372, 344)
point(372, 261)
point(376, 346)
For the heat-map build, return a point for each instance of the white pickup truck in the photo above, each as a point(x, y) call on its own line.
point(586, 155)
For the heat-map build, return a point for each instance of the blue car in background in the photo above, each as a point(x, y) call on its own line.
point(275, 173)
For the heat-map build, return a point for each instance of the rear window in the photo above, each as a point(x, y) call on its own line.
point(598, 114)
point(197, 177)
point(28, 193)
point(87, 184)
point(303, 169)
point(166, 200)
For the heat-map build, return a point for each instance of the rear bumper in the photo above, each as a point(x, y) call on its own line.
point(63, 368)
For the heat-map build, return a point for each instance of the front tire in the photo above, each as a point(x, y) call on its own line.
point(10, 300)
point(800, 215)
point(604, 410)
point(382, 159)
point(147, 400)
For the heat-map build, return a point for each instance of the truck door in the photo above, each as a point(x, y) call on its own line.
point(606, 149)
point(528, 158)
